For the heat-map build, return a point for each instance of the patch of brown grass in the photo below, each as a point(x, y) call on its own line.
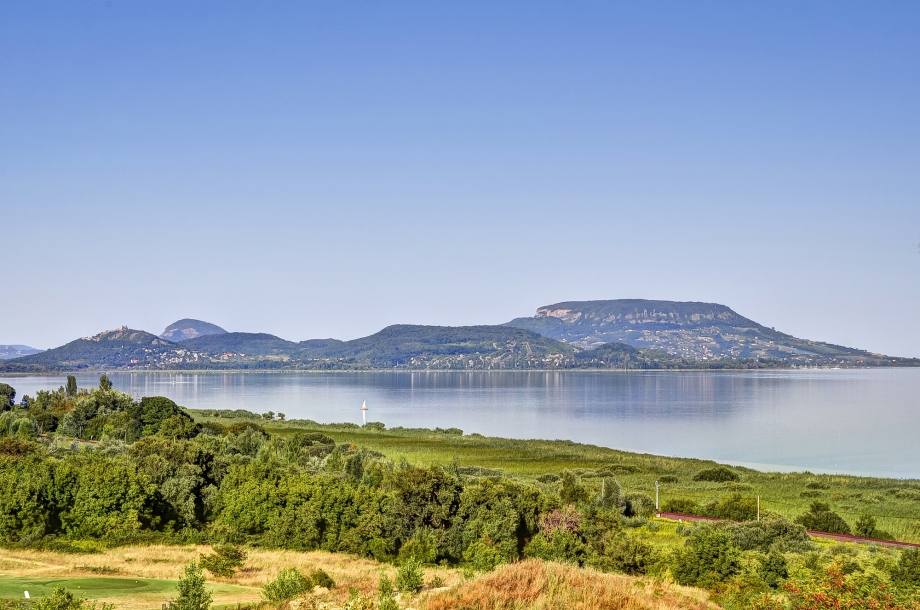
point(168, 563)
point(538, 585)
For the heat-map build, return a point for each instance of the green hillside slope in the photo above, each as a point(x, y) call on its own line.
point(447, 347)
point(109, 349)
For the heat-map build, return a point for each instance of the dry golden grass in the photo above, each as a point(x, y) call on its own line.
point(168, 563)
point(530, 585)
point(538, 585)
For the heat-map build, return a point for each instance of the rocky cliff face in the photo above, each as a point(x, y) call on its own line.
point(691, 330)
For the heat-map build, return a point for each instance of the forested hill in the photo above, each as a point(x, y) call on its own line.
point(120, 348)
point(688, 330)
point(404, 346)
point(448, 347)
point(187, 328)
point(593, 334)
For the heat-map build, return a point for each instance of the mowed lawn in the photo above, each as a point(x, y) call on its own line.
point(132, 593)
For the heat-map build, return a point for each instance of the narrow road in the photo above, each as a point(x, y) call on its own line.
point(838, 537)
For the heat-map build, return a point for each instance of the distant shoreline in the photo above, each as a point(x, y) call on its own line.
point(500, 371)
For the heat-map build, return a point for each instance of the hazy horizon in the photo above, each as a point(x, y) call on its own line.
point(327, 169)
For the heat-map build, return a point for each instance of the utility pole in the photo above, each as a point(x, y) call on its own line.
point(656, 496)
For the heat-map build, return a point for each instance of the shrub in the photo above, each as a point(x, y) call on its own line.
point(62, 599)
point(422, 547)
point(386, 599)
point(773, 569)
point(719, 474)
point(611, 494)
point(668, 478)
point(482, 556)
point(833, 590)
point(819, 517)
point(907, 571)
point(775, 533)
point(566, 518)
point(638, 505)
point(192, 593)
point(410, 576)
point(570, 492)
point(436, 583)
point(561, 545)
point(630, 555)
point(683, 506)
point(289, 583)
point(734, 508)
point(708, 558)
point(319, 578)
point(866, 527)
point(225, 560)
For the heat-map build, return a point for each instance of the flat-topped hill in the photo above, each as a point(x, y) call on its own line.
point(689, 330)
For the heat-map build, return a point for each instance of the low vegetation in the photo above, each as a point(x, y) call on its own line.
point(94, 470)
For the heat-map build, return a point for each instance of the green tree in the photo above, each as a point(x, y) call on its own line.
point(719, 474)
point(734, 508)
point(386, 599)
point(561, 544)
point(708, 558)
point(570, 492)
point(7, 396)
point(773, 569)
point(410, 576)
point(103, 498)
point(71, 390)
point(193, 595)
point(819, 517)
point(907, 572)
point(224, 561)
point(287, 585)
point(611, 495)
point(865, 525)
point(105, 383)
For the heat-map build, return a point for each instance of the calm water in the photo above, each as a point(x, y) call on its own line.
point(853, 421)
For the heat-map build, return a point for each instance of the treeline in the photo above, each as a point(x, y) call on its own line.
point(78, 464)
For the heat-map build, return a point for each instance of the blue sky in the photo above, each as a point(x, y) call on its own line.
point(325, 169)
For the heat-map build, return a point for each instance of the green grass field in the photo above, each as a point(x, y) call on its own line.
point(895, 503)
point(108, 588)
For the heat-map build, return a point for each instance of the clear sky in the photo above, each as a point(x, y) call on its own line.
point(324, 169)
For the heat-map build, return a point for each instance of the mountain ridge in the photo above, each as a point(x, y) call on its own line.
point(687, 329)
point(8, 351)
point(612, 334)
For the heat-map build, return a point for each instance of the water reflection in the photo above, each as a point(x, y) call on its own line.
point(859, 421)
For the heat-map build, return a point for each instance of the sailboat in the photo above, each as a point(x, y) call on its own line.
point(364, 412)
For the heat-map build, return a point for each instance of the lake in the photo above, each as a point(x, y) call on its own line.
point(848, 421)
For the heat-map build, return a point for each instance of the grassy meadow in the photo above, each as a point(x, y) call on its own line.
point(895, 503)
